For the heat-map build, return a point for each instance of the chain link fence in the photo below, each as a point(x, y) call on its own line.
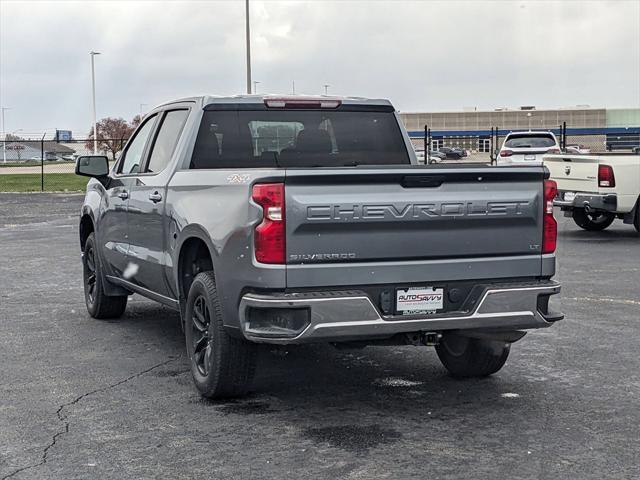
point(485, 146)
point(48, 166)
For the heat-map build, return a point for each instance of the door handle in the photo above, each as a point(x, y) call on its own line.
point(123, 195)
point(155, 197)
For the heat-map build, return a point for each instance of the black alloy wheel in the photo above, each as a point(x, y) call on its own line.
point(200, 343)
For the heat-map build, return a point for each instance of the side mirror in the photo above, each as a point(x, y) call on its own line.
point(96, 166)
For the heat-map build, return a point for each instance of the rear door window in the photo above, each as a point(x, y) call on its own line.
point(530, 141)
point(166, 140)
point(298, 138)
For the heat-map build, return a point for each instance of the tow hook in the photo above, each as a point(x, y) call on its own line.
point(431, 339)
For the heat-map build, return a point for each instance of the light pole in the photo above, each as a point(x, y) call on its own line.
point(248, 33)
point(142, 105)
point(93, 96)
point(4, 136)
point(255, 86)
point(326, 88)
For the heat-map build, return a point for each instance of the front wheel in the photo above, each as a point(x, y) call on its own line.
point(595, 221)
point(99, 305)
point(471, 357)
point(222, 366)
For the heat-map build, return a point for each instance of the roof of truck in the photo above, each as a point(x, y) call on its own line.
point(249, 99)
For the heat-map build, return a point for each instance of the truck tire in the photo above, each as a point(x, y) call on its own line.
point(222, 366)
point(471, 357)
point(636, 220)
point(592, 221)
point(98, 304)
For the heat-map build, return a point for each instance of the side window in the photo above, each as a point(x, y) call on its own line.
point(166, 140)
point(133, 155)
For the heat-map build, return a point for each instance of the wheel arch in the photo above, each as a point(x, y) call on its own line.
point(195, 254)
point(87, 226)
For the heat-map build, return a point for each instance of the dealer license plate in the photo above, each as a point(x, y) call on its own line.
point(419, 300)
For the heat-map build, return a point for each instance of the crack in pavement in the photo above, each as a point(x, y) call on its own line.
point(63, 418)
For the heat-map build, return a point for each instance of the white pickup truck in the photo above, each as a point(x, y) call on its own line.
point(597, 189)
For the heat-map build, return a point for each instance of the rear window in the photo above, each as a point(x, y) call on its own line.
point(298, 138)
point(533, 141)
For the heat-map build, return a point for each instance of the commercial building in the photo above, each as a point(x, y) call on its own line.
point(600, 128)
point(33, 150)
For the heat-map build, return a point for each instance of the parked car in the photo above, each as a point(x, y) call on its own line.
point(454, 153)
point(433, 158)
point(527, 147)
point(436, 153)
point(577, 149)
point(597, 189)
point(329, 236)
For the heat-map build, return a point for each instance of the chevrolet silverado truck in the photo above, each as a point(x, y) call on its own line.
point(597, 189)
point(289, 220)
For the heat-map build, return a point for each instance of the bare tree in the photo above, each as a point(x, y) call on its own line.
point(112, 134)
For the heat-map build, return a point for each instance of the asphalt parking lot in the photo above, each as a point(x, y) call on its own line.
point(81, 398)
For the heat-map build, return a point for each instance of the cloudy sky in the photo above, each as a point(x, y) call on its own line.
point(423, 55)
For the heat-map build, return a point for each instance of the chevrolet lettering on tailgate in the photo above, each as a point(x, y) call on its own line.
point(416, 211)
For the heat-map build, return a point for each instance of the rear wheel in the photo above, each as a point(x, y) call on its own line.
point(471, 357)
point(595, 221)
point(221, 366)
point(98, 304)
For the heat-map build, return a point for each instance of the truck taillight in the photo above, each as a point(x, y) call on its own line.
point(270, 235)
point(550, 226)
point(506, 153)
point(606, 178)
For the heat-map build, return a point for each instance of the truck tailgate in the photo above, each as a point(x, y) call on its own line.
point(574, 173)
point(354, 216)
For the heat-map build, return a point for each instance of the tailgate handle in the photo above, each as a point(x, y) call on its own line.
point(423, 181)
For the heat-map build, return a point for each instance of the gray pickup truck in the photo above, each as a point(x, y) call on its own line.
point(287, 220)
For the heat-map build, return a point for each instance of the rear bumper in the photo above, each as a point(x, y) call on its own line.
point(350, 315)
point(607, 202)
point(521, 159)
